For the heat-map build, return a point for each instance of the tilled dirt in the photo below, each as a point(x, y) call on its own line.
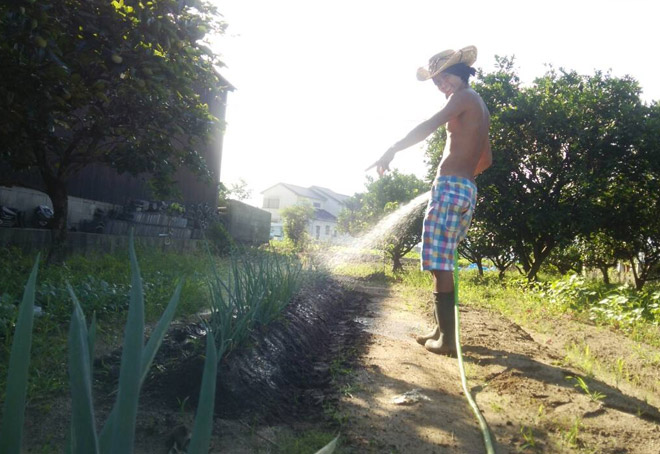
point(518, 379)
point(346, 361)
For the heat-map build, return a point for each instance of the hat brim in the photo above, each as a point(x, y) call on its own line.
point(467, 55)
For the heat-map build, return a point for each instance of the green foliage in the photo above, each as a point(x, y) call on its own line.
point(101, 282)
point(119, 430)
point(220, 241)
point(295, 220)
point(13, 410)
point(255, 290)
point(566, 258)
point(236, 191)
point(307, 442)
point(625, 307)
point(571, 292)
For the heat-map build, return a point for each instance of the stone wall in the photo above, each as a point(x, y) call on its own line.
point(85, 243)
point(246, 224)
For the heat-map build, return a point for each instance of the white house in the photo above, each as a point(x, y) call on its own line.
point(327, 205)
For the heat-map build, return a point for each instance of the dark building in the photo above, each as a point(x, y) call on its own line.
point(104, 184)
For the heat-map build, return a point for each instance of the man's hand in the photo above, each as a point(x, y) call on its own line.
point(383, 164)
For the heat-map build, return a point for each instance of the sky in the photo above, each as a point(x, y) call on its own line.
point(323, 88)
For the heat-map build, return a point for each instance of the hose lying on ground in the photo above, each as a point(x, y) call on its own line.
point(482, 422)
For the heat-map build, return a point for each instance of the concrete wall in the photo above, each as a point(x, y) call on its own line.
point(27, 200)
point(248, 224)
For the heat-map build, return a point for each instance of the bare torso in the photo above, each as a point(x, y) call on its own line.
point(467, 138)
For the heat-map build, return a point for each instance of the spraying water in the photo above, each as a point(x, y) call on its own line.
point(353, 248)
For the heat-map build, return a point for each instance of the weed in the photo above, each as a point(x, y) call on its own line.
point(595, 396)
point(620, 371)
point(497, 408)
point(349, 389)
point(572, 435)
point(582, 358)
point(540, 413)
point(528, 436)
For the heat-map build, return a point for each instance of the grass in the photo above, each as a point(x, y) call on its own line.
point(102, 284)
point(118, 432)
point(581, 357)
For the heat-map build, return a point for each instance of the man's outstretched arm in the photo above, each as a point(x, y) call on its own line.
point(454, 107)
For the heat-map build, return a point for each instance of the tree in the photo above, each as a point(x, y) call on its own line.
point(556, 146)
point(567, 258)
point(295, 220)
point(383, 195)
point(404, 235)
point(630, 204)
point(236, 191)
point(600, 251)
point(122, 83)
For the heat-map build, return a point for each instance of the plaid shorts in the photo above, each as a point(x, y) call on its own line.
point(447, 221)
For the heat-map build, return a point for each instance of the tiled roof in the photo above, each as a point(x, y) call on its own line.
point(330, 193)
point(304, 192)
point(313, 192)
point(322, 215)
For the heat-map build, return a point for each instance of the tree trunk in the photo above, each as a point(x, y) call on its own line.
point(541, 252)
point(606, 277)
point(639, 279)
point(480, 267)
point(56, 190)
point(397, 266)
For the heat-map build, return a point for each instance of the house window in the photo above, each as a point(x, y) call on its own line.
point(271, 203)
point(318, 232)
point(327, 230)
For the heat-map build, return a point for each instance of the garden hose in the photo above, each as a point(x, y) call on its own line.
point(482, 422)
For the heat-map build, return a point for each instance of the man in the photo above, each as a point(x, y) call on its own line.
point(449, 213)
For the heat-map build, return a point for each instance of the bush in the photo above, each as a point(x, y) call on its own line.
point(219, 240)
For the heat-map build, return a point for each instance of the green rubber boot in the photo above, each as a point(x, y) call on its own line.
point(435, 334)
point(446, 342)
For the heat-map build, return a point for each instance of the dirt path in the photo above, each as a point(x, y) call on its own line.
point(518, 378)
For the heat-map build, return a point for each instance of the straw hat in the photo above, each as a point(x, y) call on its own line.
point(445, 59)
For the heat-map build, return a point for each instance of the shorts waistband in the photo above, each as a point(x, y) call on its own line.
point(454, 179)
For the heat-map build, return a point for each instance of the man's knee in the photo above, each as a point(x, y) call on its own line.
point(443, 280)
